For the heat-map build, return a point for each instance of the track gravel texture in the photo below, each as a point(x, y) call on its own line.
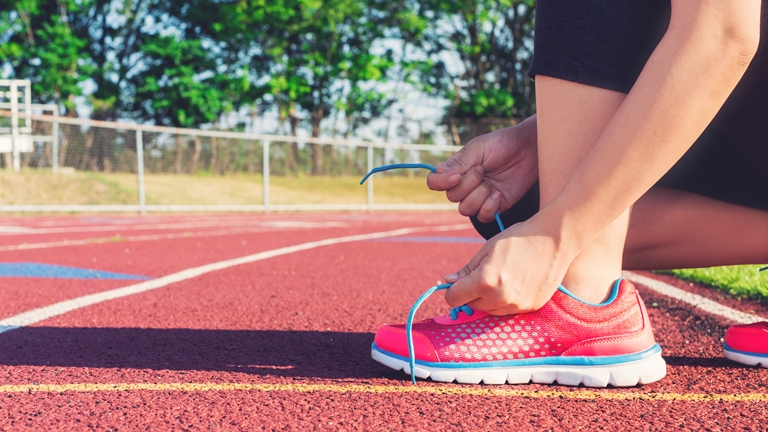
point(284, 342)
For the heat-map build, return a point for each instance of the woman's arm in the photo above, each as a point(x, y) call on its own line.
point(697, 64)
point(701, 58)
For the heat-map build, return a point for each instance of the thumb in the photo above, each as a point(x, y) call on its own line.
point(469, 268)
point(467, 285)
point(449, 173)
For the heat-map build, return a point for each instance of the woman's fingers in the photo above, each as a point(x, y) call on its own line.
point(443, 181)
point(475, 292)
point(469, 182)
point(450, 172)
point(467, 282)
point(489, 207)
point(506, 310)
point(463, 291)
point(475, 199)
point(470, 267)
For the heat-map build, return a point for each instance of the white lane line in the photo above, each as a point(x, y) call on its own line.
point(119, 238)
point(43, 313)
point(158, 219)
point(695, 300)
point(175, 226)
point(14, 229)
point(128, 220)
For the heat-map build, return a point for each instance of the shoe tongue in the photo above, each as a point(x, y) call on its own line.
point(462, 318)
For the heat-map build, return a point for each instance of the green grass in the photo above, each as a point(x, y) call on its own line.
point(742, 281)
point(40, 186)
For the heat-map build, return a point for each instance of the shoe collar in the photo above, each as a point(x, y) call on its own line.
point(613, 296)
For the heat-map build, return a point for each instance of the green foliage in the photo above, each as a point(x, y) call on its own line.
point(484, 102)
point(493, 42)
point(38, 43)
point(319, 55)
point(189, 62)
point(319, 58)
point(176, 86)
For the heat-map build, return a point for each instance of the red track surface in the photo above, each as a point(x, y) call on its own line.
point(284, 343)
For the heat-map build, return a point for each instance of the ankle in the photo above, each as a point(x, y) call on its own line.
point(592, 289)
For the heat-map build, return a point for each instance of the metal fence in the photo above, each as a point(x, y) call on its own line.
point(81, 165)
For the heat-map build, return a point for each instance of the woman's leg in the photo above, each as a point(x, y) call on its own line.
point(671, 228)
point(571, 118)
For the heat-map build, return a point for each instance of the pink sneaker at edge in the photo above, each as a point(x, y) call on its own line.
point(567, 341)
point(747, 344)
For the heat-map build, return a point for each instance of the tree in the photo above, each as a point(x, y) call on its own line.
point(177, 85)
point(38, 44)
point(190, 62)
point(116, 36)
point(493, 41)
point(205, 67)
point(63, 46)
point(317, 53)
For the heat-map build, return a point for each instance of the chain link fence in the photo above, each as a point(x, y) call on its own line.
point(86, 165)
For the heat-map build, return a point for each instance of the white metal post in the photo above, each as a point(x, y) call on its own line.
point(265, 174)
point(55, 143)
point(140, 170)
point(15, 144)
point(28, 106)
point(370, 179)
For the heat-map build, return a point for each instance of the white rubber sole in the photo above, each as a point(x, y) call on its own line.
point(738, 357)
point(629, 374)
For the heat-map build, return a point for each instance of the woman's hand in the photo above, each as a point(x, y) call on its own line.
point(516, 271)
point(492, 172)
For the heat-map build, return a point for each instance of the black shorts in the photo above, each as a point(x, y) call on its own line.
point(606, 44)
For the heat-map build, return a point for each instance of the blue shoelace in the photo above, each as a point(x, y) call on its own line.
point(454, 312)
point(424, 166)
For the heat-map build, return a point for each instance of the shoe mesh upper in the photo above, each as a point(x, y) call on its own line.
point(563, 322)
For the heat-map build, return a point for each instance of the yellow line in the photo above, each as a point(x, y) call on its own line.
point(576, 394)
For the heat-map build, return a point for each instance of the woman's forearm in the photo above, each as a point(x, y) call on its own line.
point(685, 82)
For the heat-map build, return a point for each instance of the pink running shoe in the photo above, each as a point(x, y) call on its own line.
point(747, 344)
point(567, 341)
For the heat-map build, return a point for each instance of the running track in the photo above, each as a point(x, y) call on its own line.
point(249, 322)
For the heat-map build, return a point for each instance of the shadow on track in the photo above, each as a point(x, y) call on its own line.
point(307, 354)
point(708, 362)
point(294, 354)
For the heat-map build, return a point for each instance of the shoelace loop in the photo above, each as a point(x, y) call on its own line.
point(409, 326)
point(454, 312)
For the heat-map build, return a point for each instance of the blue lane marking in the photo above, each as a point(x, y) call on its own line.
point(432, 239)
point(39, 270)
point(538, 361)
